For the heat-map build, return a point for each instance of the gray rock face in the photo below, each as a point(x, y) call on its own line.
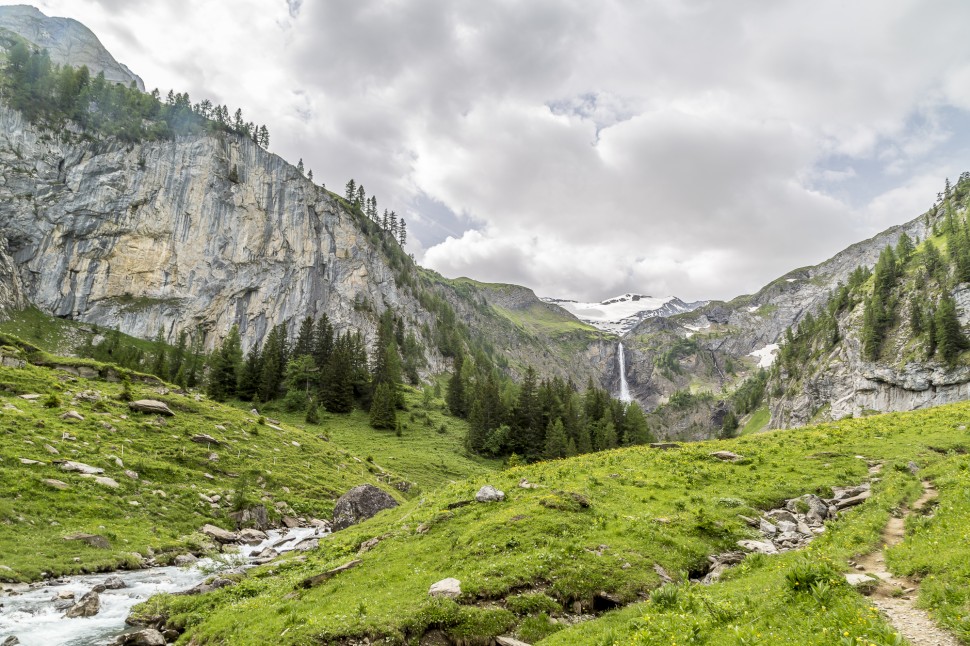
point(145, 637)
point(68, 42)
point(11, 291)
point(360, 503)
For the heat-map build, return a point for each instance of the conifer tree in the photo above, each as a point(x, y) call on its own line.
point(382, 410)
point(338, 387)
point(322, 342)
point(351, 191)
point(950, 339)
point(304, 339)
point(274, 359)
point(224, 372)
point(402, 236)
point(455, 396)
point(159, 363)
point(556, 443)
point(250, 375)
point(637, 431)
point(177, 363)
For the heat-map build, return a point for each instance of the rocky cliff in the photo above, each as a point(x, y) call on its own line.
point(11, 291)
point(68, 42)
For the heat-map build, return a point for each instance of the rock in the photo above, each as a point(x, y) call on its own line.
point(913, 467)
point(814, 508)
point(448, 588)
point(289, 522)
point(509, 641)
point(853, 501)
point(131, 474)
point(726, 456)
point(488, 493)
point(114, 582)
point(73, 414)
point(786, 526)
point(314, 581)
point(803, 528)
point(779, 515)
point(57, 484)
point(93, 540)
point(856, 579)
point(11, 641)
point(323, 525)
point(29, 462)
point(369, 544)
point(220, 535)
point(50, 449)
point(762, 547)
point(208, 586)
point(663, 446)
point(106, 482)
point(360, 503)
point(204, 438)
point(252, 536)
point(253, 516)
point(185, 559)
point(151, 406)
point(144, 637)
point(841, 493)
point(767, 528)
point(525, 484)
point(31, 397)
point(87, 606)
point(80, 467)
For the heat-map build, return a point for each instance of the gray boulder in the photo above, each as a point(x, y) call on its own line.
point(448, 588)
point(219, 534)
point(146, 637)
point(87, 606)
point(252, 517)
point(488, 493)
point(151, 406)
point(360, 503)
point(93, 540)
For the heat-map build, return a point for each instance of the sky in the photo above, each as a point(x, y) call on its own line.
point(697, 148)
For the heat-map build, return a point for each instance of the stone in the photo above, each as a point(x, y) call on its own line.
point(29, 462)
point(50, 449)
point(151, 406)
point(11, 641)
point(488, 493)
point(73, 414)
point(812, 506)
point(525, 484)
point(853, 501)
point(448, 588)
point(57, 484)
point(253, 516)
point(114, 582)
point(779, 515)
point(360, 503)
point(314, 581)
point(106, 482)
point(762, 547)
point(726, 456)
point(80, 467)
point(220, 535)
point(144, 637)
point(786, 526)
point(252, 536)
point(857, 579)
point(87, 606)
point(289, 522)
point(204, 438)
point(912, 467)
point(183, 560)
point(131, 474)
point(93, 540)
point(509, 641)
point(663, 446)
point(31, 397)
point(208, 586)
point(323, 525)
point(767, 528)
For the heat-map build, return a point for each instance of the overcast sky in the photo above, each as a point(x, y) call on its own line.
point(584, 149)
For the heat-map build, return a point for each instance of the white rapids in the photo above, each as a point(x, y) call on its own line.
point(28, 611)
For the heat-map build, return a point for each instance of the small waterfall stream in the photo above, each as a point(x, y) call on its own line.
point(624, 387)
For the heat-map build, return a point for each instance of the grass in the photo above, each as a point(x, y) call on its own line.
point(757, 422)
point(299, 467)
point(595, 528)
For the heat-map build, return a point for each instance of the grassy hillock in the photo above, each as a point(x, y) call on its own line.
point(597, 532)
point(300, 467)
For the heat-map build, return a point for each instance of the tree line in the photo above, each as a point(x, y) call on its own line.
point(49, 94)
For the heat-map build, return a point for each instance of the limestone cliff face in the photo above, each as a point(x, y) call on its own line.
point(11, 291)
point(156, 236)
point(68, 42)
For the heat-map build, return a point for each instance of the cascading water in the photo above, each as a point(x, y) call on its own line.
point(624, 387)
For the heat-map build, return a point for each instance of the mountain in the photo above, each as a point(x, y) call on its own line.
point(67, 41)
point(622, 313)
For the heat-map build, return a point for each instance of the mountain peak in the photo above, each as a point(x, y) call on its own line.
point(620, 314)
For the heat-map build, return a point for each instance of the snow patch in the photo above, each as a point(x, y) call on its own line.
point(621, 314)
point(766, 355)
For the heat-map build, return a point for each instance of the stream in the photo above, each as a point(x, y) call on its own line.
point(29, 611)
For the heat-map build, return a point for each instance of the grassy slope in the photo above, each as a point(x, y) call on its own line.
point(298, 465)
point(647, 507)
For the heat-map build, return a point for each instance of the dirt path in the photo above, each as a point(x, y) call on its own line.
point(895, 596)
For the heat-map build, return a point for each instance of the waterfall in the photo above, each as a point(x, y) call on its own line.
point(624, 387)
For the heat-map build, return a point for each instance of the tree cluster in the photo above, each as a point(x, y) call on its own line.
point(389, 223)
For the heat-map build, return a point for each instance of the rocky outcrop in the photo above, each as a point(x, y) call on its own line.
point(87, 606)
point(11, 291)
point(358, 504)
point(67, 41)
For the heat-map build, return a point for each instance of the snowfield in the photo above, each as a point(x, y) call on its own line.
point(621, 314)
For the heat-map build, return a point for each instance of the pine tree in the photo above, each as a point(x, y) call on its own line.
point(274, 360)
point(528, 434)
point(637, 430)
point(250, 375)
point(382, 413)
point(351, 191)
point(385, 221)
point(950, 339)
point(299, 166)
point(304, 339)
point(159, 363)
point(224, 372)
point(361, 197)
point(177, 363)
point(556, 443)
point(337, 392)
point(312, 413)
point(402, 236)
point(455, 396)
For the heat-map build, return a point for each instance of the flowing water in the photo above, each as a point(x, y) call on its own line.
point(624, 387)
point(30, 614)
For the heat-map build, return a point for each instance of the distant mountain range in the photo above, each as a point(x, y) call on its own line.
point(622, 313)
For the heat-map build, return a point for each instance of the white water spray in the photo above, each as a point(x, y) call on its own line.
point(624, 387)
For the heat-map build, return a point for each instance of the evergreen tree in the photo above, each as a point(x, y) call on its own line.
point(361, 197)
point(177, 363)
point(224, 371)
point(950, 339)
point(382, 413)
point(485, 416)
point(300, 374)
point(304, 339)
point(528, 434)
point(274, 359)
point(556, 443)
point(250, 375)
point(322, 342)
point(312, 413)
point(299, 166)
point(159, 363)
point(351, 191)
point(338, 386)
point(402, 236)
point(455, 396)
point(637, 430)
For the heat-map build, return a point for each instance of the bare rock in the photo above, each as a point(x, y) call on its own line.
point(220, 535)
point(488, 493)
point(144, 637)
point(853, 501)
point(73, 414)
point(289, 522)
point(509, 641)
point(360, 503)
point(185, 559)
point(762, 547)
point(204, 438)
point(448, 588)
point(727, 456)
point(88, 606)
point(80, 467)
point(314, 581)
point(57, 484)
point(252, 536)
point(151, 406)
point(253, 516)
point(93, 540)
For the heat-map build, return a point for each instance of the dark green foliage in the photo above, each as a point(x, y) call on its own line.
point(338, 382)
point(274, 356)
point(224, 367)
point(455, 396)
point(312, 412)
point(382, 410)
point(950, 339)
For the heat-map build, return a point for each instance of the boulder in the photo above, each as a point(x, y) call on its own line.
point(252, 536)
point(204, 438)
point(208, 586)
point(80, 467)
point(509, 641)
point(289, 522)
point(488, 493)
point(727, 456)
point(360, 503)
point(779, 515)
point(314, 581)
point(145, 637)
point(86, 606)
point(812, 506)
point(106, 482)
point(114, 582)
point(93, 540)
point(151, 406)
point(322, 525)
point(219, 534)
point(767, 528)
point(57, 484)
point(73, 414)
point(11, 641)
point(763, 547)
point(448, 588)
point(185, 559)
point(853, 501)
point(254, 517)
